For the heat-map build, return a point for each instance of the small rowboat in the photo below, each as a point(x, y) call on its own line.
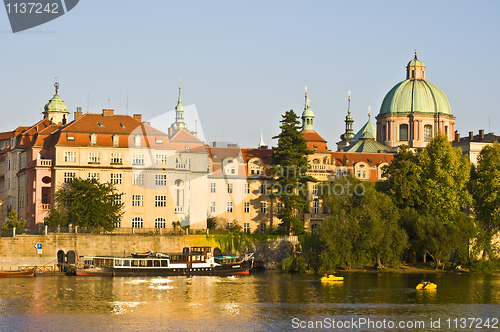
point(331, 277)
point(25, 273)
point(426, 286)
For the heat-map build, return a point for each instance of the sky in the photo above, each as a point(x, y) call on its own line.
point(244, 63)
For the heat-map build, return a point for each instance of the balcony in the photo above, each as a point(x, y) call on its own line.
point(40, 163)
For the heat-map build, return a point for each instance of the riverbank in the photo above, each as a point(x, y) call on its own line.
point(418, 268)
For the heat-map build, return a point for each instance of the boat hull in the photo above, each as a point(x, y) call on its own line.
point(18, 274)
point(427, 286)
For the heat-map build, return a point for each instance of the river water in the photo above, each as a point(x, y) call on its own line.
point(270, 301)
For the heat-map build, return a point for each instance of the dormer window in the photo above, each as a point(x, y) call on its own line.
point(116, 140)
point(122, 125)
point(93, 139)
point(100, 124)
point(159, 140)
point(137, 141)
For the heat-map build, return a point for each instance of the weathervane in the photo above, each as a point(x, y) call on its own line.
point(56, 85)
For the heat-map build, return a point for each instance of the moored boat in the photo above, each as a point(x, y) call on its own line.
point(24, 273)
point(192, 261)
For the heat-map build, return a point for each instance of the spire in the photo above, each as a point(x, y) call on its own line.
point(307, 115)
point(415, 52)
point(261, 143)
point(179, 114)
point(369, 112)
point(56, 85)
point(349, 134)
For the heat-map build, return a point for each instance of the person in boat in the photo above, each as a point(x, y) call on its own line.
point(325, 276)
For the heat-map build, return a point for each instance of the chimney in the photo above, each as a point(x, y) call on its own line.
point(471, 136)
point(109, 113)
point(214, 144)
point(138, 117)
point(481, 134)
point(78, 112)
point(457, 136)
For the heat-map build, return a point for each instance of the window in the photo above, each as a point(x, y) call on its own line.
point(138, 159)
point(255, 169)
point(93, 176)
point(116, 158)
point(94, 158)
point(360, 173)
point(315, 190)
point(137, 222)
point(229, 188)
point(118, 224)
point(159, 140)
point(246, 227)
point(315, 209)
point(233, 169)
point(314, 228)
point(137, 141)
point(263, 189)
point(138, 179)
point(229, 206)
point(188, 163)
point(212, 187)
point(160, 159)
point(118, 200)
point(68, 176)
point(160, 223)
point(69, 155)
point(263, 207)
point(212, 206)
point(137, 200)
point(93, 139)
point(116, 178)
point(229, 225)
point(116, 140)
point(445, 131)
point(247, 188)
point(403, 132)
point(160, 200)
point(161, 179)
point(280, 206)
point(427, 133)
point(384, 132)
point(246, 207)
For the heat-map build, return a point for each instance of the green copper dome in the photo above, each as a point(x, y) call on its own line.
point(415, 62)
point(307, 113)
point(415, 96)
point(56, 104)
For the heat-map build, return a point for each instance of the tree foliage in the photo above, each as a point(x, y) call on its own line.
point(12, 221)
point(87, 203)
point(485, 188)
point(431, 188)
point(289, 172)
point(362, 230)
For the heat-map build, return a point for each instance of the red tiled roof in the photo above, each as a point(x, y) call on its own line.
point(372, 159)
point(183, 140)
point(264, 154)
point(314, 141)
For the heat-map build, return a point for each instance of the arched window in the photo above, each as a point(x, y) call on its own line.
point(160, 222)
point(403, 132)
point(427, 133)
point(137, 222)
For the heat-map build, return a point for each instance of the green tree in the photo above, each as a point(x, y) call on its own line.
point(485, 188)
point(13, 221)
point(88, 203)
point(289, 172)
point(443, 179)
point(362, 230)
point(403, 177)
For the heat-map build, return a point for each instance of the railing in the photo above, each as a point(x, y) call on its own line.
point(39, 269)
point(40, 163)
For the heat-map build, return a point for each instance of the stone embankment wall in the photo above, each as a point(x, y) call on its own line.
point(21, 251)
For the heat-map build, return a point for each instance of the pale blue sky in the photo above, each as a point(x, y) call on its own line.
point(242, 64)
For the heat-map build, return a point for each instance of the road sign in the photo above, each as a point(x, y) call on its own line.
point(38, 247)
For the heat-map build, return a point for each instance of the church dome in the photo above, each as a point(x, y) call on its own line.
point(415, 95)
point(56, 104)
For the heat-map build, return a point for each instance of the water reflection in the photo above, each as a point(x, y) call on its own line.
point(259, 301)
